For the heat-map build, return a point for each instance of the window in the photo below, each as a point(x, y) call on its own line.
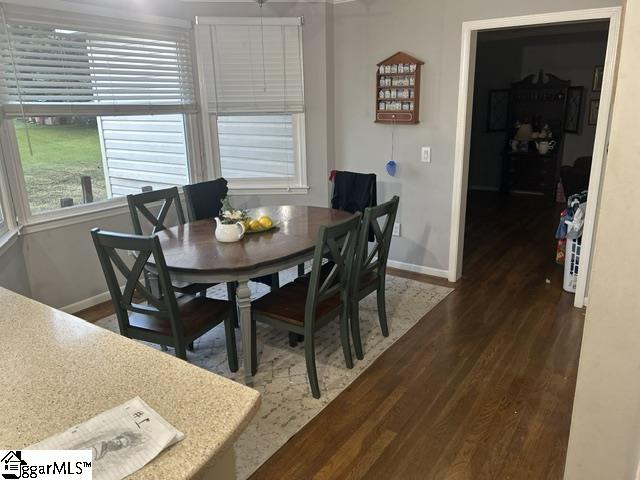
point(98, 106)
point(253, 98)
point(75, 160)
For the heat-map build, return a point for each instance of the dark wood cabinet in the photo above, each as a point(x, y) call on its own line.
point(531, 172)
point(538, 100)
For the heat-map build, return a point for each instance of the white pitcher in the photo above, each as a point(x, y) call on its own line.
point(228, 233)
point(545, 146)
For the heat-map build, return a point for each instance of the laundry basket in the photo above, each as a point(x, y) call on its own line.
point(571, 264)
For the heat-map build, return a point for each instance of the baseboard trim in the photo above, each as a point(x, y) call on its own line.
point(106, 296)
point(87, 303)
point(410, 267)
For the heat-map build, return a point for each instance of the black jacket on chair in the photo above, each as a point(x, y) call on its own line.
point(353, 192)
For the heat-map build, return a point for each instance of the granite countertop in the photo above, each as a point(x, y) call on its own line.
point(57, 370)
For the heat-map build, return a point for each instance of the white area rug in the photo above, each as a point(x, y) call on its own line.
point(287, 403)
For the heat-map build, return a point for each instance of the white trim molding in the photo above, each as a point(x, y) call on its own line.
point(7, 240)
point(410, 267)
point(463, 126)
point(86, 303)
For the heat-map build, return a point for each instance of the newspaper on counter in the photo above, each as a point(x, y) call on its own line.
point(122, 440)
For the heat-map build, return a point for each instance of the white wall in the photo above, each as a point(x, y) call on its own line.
point(13, 271)
point(367, 31)
point(604, 442)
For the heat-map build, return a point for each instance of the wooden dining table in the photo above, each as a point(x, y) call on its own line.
point(194, 255)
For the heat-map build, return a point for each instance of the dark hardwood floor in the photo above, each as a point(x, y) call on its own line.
point(481, 388)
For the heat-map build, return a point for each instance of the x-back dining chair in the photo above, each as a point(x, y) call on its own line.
point(370, 265)
point(138, 206)
point(162, 318)
point(308, 303)
point(139, 209)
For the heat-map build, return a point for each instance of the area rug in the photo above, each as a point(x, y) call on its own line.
point(287, 403)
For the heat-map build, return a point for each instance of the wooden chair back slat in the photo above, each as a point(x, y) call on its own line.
point(337, 243)
point(109, 246)
point(138, 206)
point(375, 259)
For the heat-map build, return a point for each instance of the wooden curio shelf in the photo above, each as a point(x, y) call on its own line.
point(398, 89)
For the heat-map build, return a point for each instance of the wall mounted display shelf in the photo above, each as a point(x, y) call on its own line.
point(398, 89)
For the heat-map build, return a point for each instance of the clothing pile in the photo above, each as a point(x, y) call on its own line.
point(571, 223)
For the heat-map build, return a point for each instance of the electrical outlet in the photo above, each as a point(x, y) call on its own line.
point(396, 229)
point(426, 155)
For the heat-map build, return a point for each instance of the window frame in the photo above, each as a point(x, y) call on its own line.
point(17, 202)
point(31, 221)
point(203, 161)
point(212, 168)
point(299, 184)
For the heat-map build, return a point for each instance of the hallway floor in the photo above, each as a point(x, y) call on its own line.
point(481, 387)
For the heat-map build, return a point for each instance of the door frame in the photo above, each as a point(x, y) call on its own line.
point(470, 31)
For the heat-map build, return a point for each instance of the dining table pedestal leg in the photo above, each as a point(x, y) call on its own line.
point(243, 300)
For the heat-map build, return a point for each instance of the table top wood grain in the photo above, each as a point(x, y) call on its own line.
point(193, 247)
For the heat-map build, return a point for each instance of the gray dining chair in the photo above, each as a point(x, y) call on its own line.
point(370, 265)
point(160, 317)
point(139, 209)
point(308, 303)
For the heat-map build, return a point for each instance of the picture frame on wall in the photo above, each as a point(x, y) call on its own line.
point(594, 107)
point(573, 113)
point(598, 73)
point(498, 110)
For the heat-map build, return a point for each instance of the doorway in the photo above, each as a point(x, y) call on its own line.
point(490, 178)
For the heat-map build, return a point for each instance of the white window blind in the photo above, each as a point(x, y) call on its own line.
point(95, 64)
point(252, 65)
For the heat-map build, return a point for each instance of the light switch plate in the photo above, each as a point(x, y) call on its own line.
point(396, 229)
point(426, 155)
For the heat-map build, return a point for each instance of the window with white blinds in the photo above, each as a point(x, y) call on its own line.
point(252, 88)
point(255, 64)
point(53, 63)
point(256, 146)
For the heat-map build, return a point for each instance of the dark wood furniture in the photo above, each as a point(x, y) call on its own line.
point(163, 318)
point(204, 201)
point(540, 100)
point(398, 89)
point(138, 207)
point(575, 178)
point(531, 172)
point(193, 254)
point(370, 266)
point(308, 303)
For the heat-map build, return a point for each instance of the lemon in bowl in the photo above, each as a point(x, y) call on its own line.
point(265, 222)
point(254, 225)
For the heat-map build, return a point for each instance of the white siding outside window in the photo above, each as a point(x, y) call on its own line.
point(139, 151)
point(256, 146)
